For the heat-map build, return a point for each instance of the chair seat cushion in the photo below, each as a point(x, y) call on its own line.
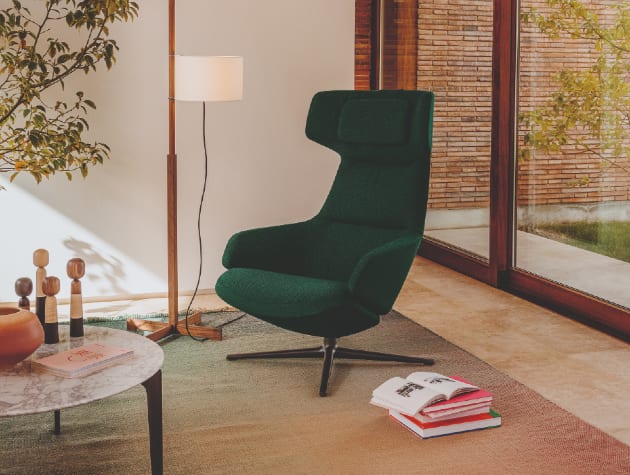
point(272, 294)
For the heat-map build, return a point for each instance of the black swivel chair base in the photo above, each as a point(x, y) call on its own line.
point(330, 350)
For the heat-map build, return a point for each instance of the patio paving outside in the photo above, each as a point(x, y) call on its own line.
point(586, 271)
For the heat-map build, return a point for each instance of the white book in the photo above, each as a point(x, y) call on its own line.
point(418, 390)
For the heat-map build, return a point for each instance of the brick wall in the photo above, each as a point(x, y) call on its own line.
point(455, 61)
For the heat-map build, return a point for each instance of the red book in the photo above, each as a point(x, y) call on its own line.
point(81, 361)
point(454, 413)
point(452, 426)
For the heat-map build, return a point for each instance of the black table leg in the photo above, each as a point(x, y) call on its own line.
point(57, 422)
point(153, 386)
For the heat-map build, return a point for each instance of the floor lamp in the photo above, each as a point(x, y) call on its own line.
point(191, 78)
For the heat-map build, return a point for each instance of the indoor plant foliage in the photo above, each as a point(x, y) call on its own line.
point(40, 135)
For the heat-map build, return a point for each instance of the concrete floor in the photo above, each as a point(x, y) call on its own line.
point(580, 369)
point(589, 272)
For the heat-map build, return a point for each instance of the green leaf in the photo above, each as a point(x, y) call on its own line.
point(41, 138)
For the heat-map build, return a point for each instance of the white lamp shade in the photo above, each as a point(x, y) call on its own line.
point(208, 78)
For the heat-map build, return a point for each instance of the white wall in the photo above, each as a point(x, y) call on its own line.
point(262, 169)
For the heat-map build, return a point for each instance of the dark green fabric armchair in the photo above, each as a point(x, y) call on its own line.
point(337, 273)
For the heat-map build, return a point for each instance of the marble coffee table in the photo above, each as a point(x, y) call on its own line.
point(23, 391)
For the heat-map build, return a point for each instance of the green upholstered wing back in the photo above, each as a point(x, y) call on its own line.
point(384, 140)
point(356, 252)
point(381, 187)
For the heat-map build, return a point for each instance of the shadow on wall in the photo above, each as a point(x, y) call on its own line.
point(104, 273)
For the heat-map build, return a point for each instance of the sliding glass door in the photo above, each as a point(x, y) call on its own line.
point(530, 185)
point(573, 181)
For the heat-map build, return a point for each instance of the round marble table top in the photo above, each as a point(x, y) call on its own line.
point(23, 391)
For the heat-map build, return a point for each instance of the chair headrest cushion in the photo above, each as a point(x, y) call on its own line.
point(374, 121)
point(373, 126)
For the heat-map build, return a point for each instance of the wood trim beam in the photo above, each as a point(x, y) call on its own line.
point(171, 176)
point(504, 58)
point(455, 259)
point(375, 46)
point(604, 316)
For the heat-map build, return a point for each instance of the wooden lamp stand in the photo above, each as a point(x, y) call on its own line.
point(159, 330)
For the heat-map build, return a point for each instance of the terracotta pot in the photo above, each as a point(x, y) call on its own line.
point(20, 335)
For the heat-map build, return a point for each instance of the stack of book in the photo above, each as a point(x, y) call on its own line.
point(433, 405)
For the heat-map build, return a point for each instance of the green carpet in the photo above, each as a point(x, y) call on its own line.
point(267, 418)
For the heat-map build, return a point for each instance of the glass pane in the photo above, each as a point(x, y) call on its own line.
point(573, 213)
point(455, 61)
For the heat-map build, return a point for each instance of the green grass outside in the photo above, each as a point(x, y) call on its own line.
point(608, 238)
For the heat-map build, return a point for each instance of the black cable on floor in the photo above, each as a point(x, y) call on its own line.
point(242, 314)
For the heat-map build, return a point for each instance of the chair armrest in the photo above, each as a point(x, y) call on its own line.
point(379, 275)
point(278, 248)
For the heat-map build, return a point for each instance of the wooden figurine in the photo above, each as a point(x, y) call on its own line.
point(51, 286)
point(24, 288)
point(40, 260)
point(76, 270)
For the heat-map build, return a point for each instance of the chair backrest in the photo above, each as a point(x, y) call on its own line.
point(381, 188)
point(384, 140)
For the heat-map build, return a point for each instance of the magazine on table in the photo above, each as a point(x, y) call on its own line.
point(82, 360)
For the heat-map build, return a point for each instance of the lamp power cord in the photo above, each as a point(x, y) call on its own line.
point(201, 201)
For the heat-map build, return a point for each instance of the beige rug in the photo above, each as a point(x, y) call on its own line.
point(260, 417)
point(147, 307)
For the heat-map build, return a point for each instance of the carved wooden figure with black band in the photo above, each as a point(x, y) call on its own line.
point(40, 260)
point(51, 287)
point(24, 288)
point(76, 270)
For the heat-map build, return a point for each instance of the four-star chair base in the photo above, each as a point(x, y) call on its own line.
point(328, 351)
